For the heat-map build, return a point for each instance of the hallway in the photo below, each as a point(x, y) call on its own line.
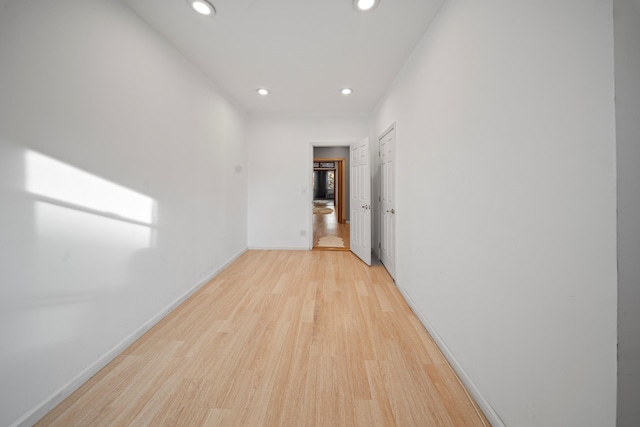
point(280, 338)
point(328, 233)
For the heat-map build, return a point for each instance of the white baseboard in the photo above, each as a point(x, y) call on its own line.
point(278, 248)
point(63, 392)
point(484, 405)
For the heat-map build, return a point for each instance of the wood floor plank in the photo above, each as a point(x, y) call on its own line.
point(381, 397)
point(453, 396)
point(280, 338)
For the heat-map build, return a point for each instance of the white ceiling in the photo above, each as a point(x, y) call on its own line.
point(303, 51)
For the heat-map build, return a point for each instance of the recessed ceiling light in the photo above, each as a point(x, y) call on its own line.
point(346, 91)
point(203, 7)
point(364, 5)
point(263, 91)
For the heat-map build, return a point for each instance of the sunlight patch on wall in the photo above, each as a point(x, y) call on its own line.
point(60, 182)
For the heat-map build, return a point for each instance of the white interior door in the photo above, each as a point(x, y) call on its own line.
point(388, 201)
point(360, 229)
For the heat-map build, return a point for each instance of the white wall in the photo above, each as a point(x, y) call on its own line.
point(99, 117)
point(506, 203)
point(280, 169)
point(627, 63)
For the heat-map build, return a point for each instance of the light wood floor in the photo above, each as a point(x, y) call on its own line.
point(279, 338)
point(328, 225)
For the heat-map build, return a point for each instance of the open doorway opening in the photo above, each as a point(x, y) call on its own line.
point(331, 198)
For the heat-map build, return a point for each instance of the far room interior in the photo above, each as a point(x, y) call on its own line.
point(331, 198)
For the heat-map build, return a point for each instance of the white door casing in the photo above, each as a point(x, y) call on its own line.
point(388, 201)
point(360, 228)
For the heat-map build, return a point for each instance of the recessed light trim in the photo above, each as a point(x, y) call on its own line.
point(346, 91)
point(262, 91)
point(365, 5)
point(203, 7)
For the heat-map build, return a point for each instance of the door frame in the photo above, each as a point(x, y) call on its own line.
point(341, 201)
point(309, 188)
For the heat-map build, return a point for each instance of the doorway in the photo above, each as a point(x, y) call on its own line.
point(357, 184)
point(330, 191)
point(330, 227)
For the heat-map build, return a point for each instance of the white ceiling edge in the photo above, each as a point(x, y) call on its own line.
point(193, 66)
point(304, 53)
point(408, 61)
